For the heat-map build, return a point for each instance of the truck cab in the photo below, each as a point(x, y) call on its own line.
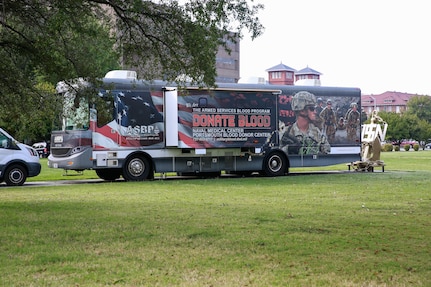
point(17, 161)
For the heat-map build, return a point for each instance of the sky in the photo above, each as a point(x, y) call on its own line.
point(375, 45)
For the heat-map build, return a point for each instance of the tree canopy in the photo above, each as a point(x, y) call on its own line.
point(46, 41)
point(406, 126)
point(420, 106)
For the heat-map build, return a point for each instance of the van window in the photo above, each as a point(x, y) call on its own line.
point(6, 142)
point(3, 140)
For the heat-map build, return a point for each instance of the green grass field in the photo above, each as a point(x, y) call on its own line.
point(340, 229)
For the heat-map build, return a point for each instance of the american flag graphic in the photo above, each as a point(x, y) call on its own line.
point(136, 111)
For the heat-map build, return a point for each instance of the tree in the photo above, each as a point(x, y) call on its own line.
point(51, 40)
point(172, 40)
point(406, 126)
point(30, 117)
point(420, 106)
point(396, 129)
point(39, 46)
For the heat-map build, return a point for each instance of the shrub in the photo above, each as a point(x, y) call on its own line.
point(396, 148)
point(388, 147)
point(416, 147)
point(406, 147)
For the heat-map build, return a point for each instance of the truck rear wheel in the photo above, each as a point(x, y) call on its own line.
point(136, 168)
point(275, 164)
point(15, 175)
point(108, 174)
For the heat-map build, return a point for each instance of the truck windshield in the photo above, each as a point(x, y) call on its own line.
point(76, 112)
point(85, 106)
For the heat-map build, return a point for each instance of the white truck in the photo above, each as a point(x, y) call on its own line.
point(17, 161)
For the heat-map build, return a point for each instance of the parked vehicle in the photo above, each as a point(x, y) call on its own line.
point(410, 142)
point(42, 149)
point(136, 128)
point(17, 161)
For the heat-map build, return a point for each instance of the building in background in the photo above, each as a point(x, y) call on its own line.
point(227, 64)
point(307, 77)
point(285, 75)
point(394, 102)
point(281, 75)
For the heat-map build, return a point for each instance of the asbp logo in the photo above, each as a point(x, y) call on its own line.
point(142, 130)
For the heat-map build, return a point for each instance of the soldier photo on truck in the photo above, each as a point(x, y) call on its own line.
point(303, 137)
point(329, 120)
point(352, 119)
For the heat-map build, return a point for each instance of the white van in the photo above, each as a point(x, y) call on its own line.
point(17, 161)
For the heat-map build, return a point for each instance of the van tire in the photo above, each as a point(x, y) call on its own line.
point(15, 175)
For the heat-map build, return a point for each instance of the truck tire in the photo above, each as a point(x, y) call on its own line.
point(108, 174)
point(15, 175)
point(275, 164)
point(136, 168)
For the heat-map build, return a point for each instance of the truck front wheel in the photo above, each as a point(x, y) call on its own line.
point(275, 164)
point(136, 168)
point(15, 175)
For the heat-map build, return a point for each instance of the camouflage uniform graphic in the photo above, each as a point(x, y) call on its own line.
point(353, 119)
point(318, 122)
point(294, 141)
point(297, 141)
point(329, 121)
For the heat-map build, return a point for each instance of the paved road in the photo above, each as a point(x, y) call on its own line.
point(95, 181)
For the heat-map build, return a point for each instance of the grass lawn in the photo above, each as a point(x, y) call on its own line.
point(341, 229)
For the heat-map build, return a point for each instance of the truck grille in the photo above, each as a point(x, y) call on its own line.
point(60, 151)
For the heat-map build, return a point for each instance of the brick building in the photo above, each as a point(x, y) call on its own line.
point(285, 75)
point(281, 75)
point(307, 77)
point(394, 102)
